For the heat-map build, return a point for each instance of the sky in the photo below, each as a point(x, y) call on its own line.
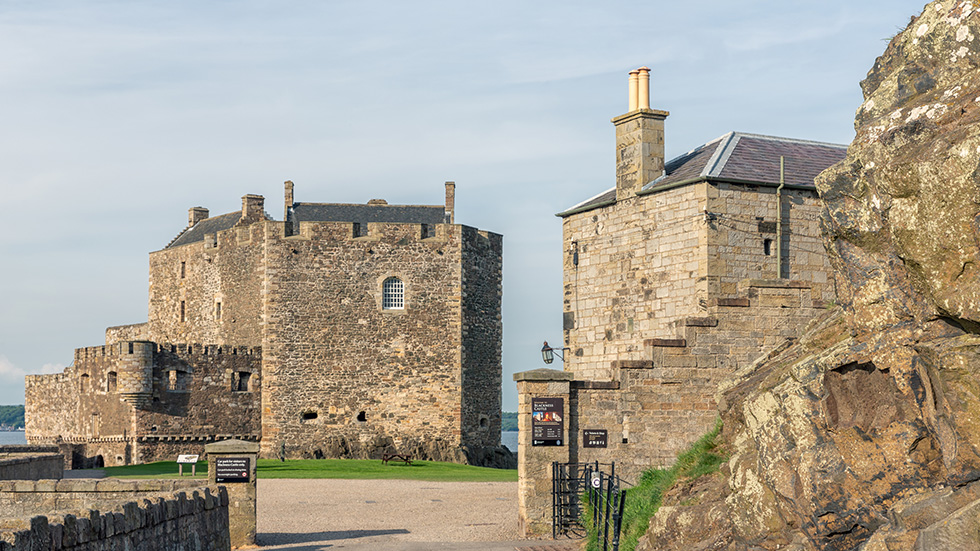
point(118, 116)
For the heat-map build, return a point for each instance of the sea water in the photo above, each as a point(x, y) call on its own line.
point(508, 439)
point(17, 437)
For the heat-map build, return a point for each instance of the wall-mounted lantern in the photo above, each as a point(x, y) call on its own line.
point(548, 353)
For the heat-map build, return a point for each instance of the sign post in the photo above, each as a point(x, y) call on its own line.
point(231, 463)
point(187, 460)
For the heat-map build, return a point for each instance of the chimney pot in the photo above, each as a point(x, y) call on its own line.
point(643, 93)
point(634, 90)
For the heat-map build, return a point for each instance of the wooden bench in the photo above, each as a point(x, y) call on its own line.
point(396, 457)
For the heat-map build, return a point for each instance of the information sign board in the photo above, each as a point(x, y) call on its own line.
point(187, 459)
point(595, 438)
point(547, 423)
point(231, 469)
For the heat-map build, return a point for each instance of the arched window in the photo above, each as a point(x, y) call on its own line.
point(110, 381)
point(393, 294)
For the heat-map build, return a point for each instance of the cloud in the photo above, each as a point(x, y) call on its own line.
point(9, 371)
point(12, 373)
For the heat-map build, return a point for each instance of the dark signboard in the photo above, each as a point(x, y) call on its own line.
point(231, 469)
point(547, 424)
point(594, 438)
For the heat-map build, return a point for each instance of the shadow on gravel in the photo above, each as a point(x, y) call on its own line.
point(283, 538)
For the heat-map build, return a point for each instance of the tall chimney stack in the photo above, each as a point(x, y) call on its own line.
point(639, 138)
point(450, 201)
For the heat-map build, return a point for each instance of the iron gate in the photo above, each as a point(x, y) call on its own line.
point(603, 494)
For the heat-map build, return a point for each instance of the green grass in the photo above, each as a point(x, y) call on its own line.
point(334, 468)
point(643, 500)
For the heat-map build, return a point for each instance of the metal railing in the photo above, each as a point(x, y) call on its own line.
point(575, 484)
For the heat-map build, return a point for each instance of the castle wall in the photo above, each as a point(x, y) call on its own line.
point(482, 335)
point(342, 375)
point(167, 399)
point(640, 266)
point(227, 270)
point(113, 515)
point(743, 217)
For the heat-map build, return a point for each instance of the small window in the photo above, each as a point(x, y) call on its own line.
point(183, 311)
point(767, 247)
point(362, 417)
point(83, 382)
point(393, 294)
point(183, 270)
point(217, 311)
point(239, 381)
point(176, 381)
point(360, 230)
point(309, 415)
point(428, 230)
point(110, 382)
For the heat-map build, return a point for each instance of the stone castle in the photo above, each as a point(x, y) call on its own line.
point(682, 273)
point(344, 330)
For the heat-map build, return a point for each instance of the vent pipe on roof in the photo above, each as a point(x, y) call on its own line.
point(634, 89)
point(643, 92)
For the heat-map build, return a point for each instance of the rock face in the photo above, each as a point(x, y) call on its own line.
point(865, 434)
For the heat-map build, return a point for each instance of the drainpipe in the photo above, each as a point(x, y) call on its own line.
point(779, 219)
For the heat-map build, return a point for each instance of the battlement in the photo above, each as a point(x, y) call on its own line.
point(125, 348)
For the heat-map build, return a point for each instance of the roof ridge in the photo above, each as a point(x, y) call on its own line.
point(790, 140)
point(723, 149)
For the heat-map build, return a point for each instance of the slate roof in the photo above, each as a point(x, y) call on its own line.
point(738, 157)
point(211, 225)
point(338, 212)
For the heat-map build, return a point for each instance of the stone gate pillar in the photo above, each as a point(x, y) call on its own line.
point(231, 463)
point(534, 462)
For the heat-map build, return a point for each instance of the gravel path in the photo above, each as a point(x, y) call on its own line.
point(388, 515)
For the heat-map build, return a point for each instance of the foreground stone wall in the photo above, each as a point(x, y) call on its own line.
point(30, 463)
point(110, 515)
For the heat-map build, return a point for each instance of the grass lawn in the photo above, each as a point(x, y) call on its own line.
point(334, 468)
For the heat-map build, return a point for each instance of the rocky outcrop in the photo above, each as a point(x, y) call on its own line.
point(865, 434)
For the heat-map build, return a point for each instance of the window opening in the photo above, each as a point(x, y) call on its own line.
point(393, 294)
point(176, 381)
point(183, 311)
point(110, 382)
point(217, 310)
point(83, 382)
point(309, 415)
point(239, 381)
point(183, 270)
point(767, 247)
point(428, 230)
point(361, 417)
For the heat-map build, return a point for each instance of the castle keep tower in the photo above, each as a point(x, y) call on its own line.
point(344, 330)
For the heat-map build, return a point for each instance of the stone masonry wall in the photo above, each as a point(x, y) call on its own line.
point(20, 464)
point(111, 515)
point(482, 330)
point(342, 376)
point(640, 266)
point(201, 275)
point(189, 398)
point(743, 218)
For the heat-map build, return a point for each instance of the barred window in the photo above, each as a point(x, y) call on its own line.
point(393, 294)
